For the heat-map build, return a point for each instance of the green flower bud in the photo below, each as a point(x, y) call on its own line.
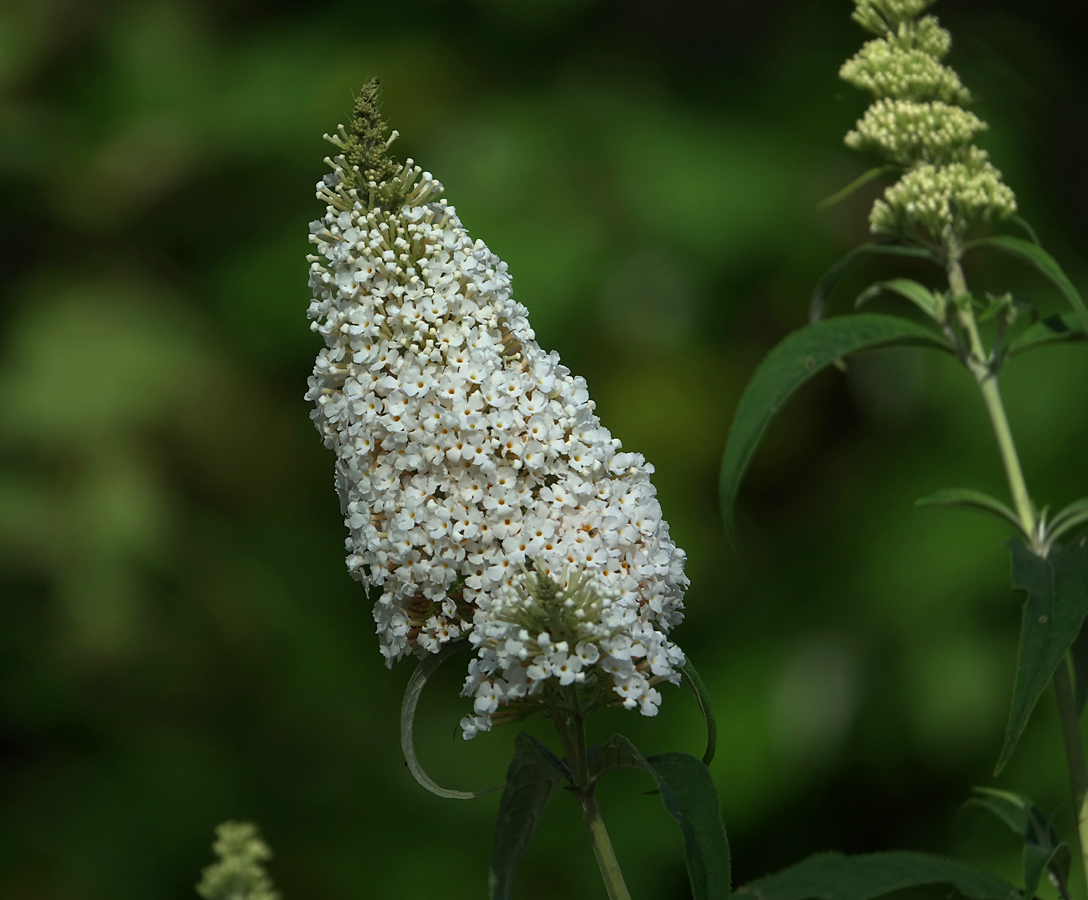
point(239, 874)
point(905, 132)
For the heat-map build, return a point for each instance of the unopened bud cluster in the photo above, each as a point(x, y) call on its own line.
point(916, 123)
point(464, 450)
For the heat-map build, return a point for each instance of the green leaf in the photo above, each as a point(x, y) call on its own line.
point(690, 798)
point(1079, 654)
point(1057, 602)
point(1038, 859)
point(1073, 516)
point(1042, 261)
point(698, 688)
point(922, 297)
point(973, 500)
point(833, 876)
point(788, 366)
point(1023, 223)
point(1012, 809)
point(830, 278)
point(531, 779)
point(1051, 330)
point(858, 182)
point(419, 678)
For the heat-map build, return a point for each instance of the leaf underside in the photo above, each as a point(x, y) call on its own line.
point(834, 876)
point(1055, 609)
point(788, 366)
point(416, 683)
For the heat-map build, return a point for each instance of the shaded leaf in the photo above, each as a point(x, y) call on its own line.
point(690, 798)
point(416, 683)
point(920, 296)
point(834, 876)
point(971, 499)
point(698, 688)
point(858, 182)
point(1012, 809)
point(531, 780)
point(830, 278)
point(1038, 859)
point(1051, 330)
point(1057, 602)
point(1079, 654)
point(1043, 261)
point(1023, 223)
point(788, 366)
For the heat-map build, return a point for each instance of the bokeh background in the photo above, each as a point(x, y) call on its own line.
point(179, 640)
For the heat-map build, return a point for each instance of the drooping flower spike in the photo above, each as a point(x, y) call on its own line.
point(483, 497)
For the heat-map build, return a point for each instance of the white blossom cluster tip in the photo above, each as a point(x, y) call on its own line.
point(464, 451)
point(917, 124)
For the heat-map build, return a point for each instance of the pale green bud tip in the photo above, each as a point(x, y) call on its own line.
point(883, 16)
point(239, 873)
point(943, 202)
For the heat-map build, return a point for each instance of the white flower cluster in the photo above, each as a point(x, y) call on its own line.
point(885, 68)
point(944, 199)
point(907, 132)
point(949, 184)
point(464, 451)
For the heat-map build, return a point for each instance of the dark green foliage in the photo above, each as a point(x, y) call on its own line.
point(972, 499)
point(531, 779)
point(793, 362)
point(1044, 852)
point(703, 697)
point(1055, 609)
point(830, 278)
point(922, 297)
point(1051, 330)
point(834, 876)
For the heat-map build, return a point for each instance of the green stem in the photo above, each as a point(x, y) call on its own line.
point(1074, 753)
point(980, 366)
point(572, 733)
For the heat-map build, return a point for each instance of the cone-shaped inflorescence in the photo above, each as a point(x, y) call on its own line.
point(471, 469)
point(917, 123)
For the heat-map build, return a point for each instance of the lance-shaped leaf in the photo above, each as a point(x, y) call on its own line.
point(919, 295)
point(1079, 654)
point(1056, 329)
point(857, 183)
point(1043, 261)
point(1043, 851)
point(833, 876)
point(698, 688)
point(972, 499)
point(1055, 609)
point(531, 779)
point(416, 683)
point(793, 362)
point(690, 798)
point(1073, 516)
point(830, 278)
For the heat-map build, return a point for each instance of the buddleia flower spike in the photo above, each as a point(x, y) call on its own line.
point(482, 496)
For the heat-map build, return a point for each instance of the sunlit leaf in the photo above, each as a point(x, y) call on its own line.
point(531, 779)
point(833, 876)
point(920, 296)
point(416, 683)
point(1055, 609)
point(1043, 261)
point(972, 500)
point(830, 278)
point(789, 365)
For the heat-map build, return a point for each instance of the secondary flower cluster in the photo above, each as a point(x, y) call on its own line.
point(465, 452)
point(916, 123)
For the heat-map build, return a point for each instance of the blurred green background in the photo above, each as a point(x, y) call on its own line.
point(179, 640)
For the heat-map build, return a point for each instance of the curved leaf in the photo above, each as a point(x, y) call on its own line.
point(1023, 223)
point(1055, 610)
point(698, 688)
point(1043, 261)
point(833, 876)
point(788, 366)
point(1073, 516)
point(830, 278)
point(922, 297)
point(690, 798)
point(973, 500)
point(1051, 330)
point(419, 678)
point(531, 780)
point(858, 182)
point(1012, 809)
